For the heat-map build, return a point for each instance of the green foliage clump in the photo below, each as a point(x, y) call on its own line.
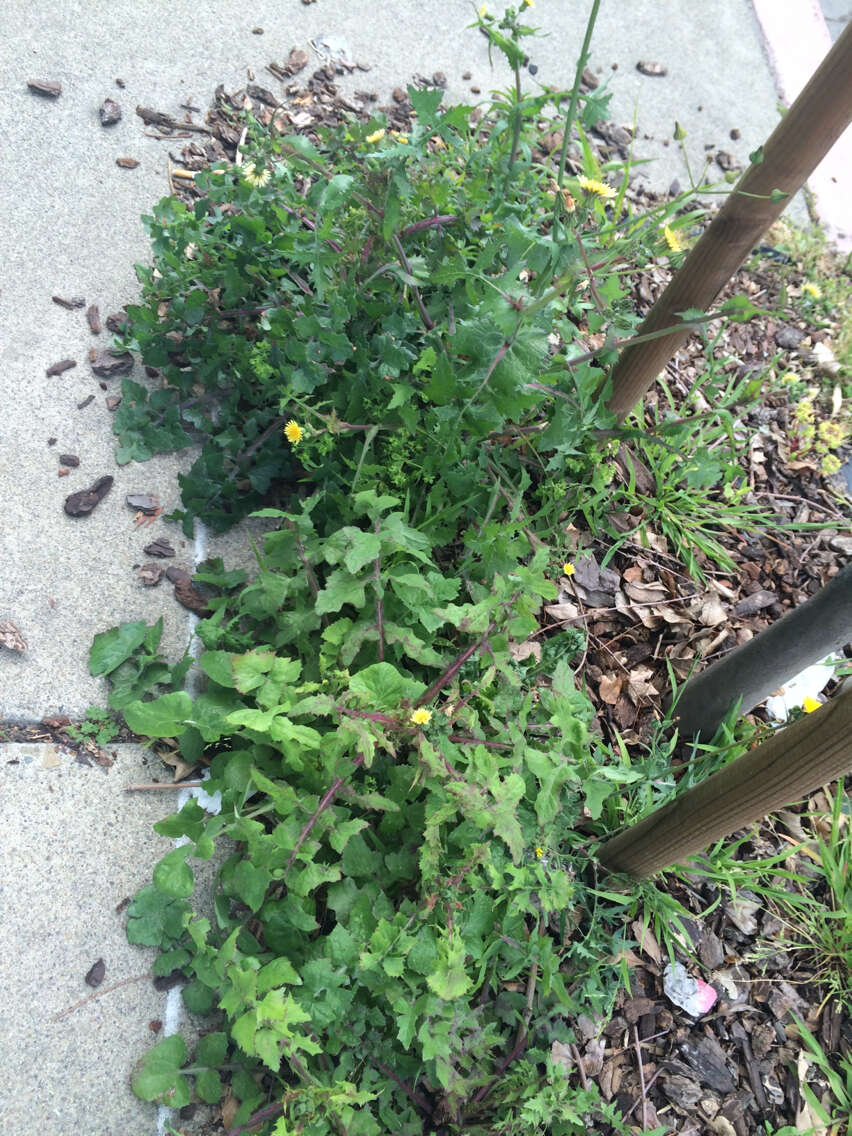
point(407, 920)
point(383, 335)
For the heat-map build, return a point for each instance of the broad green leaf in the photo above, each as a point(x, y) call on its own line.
point(250, 669)
point(251, 883)
point(382, 687)
point(212, 1049)
point(217, 665)
point(164, 717)
point(340, 589)
point(110, 648)
point(198, 997)
point(173, 876)
point(208, 1085)
point(279, 972)
point(159, 1070)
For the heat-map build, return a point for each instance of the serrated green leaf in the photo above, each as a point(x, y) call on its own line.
point(279, 972)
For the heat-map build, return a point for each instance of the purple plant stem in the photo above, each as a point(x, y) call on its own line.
point(429, 223)
point(453, 669)
point(330, 794)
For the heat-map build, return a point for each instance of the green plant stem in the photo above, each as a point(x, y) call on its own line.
point(575, 90)
point(516, 115)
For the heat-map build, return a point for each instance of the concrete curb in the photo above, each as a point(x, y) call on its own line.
point(797, 39)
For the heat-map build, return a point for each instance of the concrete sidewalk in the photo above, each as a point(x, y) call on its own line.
point(74, 844)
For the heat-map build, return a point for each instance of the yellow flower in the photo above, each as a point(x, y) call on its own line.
point(672, 240)
point(251, 175)
point(810, 704)
point(401, 138)
point(600, 188)
point(293, 432)
point(527, 3)
point(568, 568)
point(376, 136)
point(483, 11)
point(420, 717)
point(812, 290)
point(539, 852)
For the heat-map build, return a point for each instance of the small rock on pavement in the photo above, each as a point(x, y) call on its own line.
point(71, 460)
point(109, 112)
point(647, 67)
point(108, 366)
point(47, 87)
point(11, 637)
point(150, 574)
point(726, 161)
point(96, 973)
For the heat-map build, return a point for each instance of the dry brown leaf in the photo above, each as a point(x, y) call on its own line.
point(609, 688)
point(560, 1054)
point(647, 941)
point(180, 769)
point(561, 612)
point(712, 612)
point(639, 684)
point(521, 651)
point(654, 592)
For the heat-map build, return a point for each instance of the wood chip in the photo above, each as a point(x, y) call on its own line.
point(47, 87)
point(70, 460)
point(93, 315)
point(127, 163)
point(159, 547)
point(70, 304)
point(113, 401)
point(82, 405)
point(190, 598)
point(62, 365)
point(145, 503)
point(82, 503)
